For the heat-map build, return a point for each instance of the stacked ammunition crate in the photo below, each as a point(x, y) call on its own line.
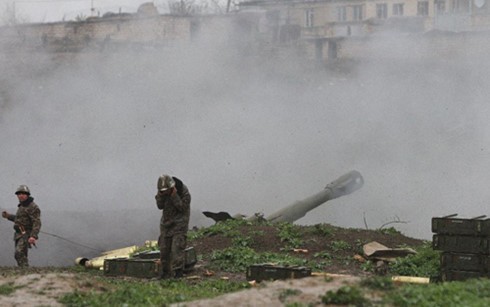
point(144, 264)
point(465, 246)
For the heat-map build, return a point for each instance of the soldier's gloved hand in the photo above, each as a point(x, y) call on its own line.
point(170, 192)
point(169, 224)
point(173, 191)
point(5, 215)
point(32, 240)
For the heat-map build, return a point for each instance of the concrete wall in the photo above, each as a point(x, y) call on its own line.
point(149, 30)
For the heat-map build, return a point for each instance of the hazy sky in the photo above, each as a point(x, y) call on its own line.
point(56, 10)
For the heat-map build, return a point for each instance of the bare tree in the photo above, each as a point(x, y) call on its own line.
point(199, 7)
point(10, 17)
point(223, 6)
point(186, 7)
point(81, 17)
point(395, 220)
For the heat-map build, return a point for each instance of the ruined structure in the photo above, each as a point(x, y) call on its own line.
point(321, 30)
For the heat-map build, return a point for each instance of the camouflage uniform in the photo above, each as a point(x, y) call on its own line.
point(173, 229)
point(27, 223)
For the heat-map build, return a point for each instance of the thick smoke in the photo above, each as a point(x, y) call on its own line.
point(90, 134)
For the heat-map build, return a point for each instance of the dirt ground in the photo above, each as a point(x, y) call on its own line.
point(306, 291)
point(43, 286)
point(39, 286)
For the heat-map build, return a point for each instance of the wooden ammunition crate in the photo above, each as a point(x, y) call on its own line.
point(260, 272)
point(465, 262)
point(460, 226)
point(461, 244)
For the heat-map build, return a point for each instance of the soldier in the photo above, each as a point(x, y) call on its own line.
point(27, 224)
point(174, 200)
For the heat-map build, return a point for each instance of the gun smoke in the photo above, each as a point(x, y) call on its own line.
point(91, 133)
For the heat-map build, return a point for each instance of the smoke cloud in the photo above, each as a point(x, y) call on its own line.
point(90, 133)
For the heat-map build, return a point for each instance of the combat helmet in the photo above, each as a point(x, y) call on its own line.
point(165, 182)
point(23, 189)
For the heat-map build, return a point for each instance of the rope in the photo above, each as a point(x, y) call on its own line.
point(72, 242)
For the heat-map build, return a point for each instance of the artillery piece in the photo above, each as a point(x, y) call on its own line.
point(146, 264)
point(344, 185)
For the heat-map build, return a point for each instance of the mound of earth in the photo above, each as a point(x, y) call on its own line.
point(340, 246)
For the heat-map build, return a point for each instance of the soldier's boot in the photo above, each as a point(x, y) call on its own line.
point(164, 275)
point(21, 260)
point(179, 273)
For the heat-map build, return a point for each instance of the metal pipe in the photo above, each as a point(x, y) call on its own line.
point(344, 185)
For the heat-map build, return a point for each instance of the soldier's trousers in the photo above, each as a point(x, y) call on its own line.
point(21, 247)
point(172, 253)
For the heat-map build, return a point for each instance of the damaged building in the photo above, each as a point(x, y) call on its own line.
point(322, 30)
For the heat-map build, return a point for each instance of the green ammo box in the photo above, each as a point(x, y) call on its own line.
point(143, 268)
point(190, 256)
point(459, 226)
point(461, 244)
point(465, 262)
point(454, 275)
point(260, 272)
point(144, 265)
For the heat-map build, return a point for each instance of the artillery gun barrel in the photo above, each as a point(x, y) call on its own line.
point(344, 185)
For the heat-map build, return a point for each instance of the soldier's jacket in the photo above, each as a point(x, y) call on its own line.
point(175, 210)
point(28, 217)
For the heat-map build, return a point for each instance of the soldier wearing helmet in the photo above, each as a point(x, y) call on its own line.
point(27, 224)
point(174, 199)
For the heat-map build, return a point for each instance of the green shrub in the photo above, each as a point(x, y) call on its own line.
point(324, 230)
point(324, 255)
point(345, 295)
point(425, 263)
point(389, 231)
point(340, 246)
point(242, 241)
point(290, 234)
point(143, 293)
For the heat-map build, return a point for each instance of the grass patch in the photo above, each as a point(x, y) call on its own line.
point(8, 288)
point(228, 228)
point(324, 230)
point(389, 231)
point(285, 293)
point(340, 245)
point(144, 293)
point(238, 259)
point(473, 292)
point(345, 295)
point(290, 234)
point(378, 283)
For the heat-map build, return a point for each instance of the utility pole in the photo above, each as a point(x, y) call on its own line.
point(92, 9)
point(13, 13)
